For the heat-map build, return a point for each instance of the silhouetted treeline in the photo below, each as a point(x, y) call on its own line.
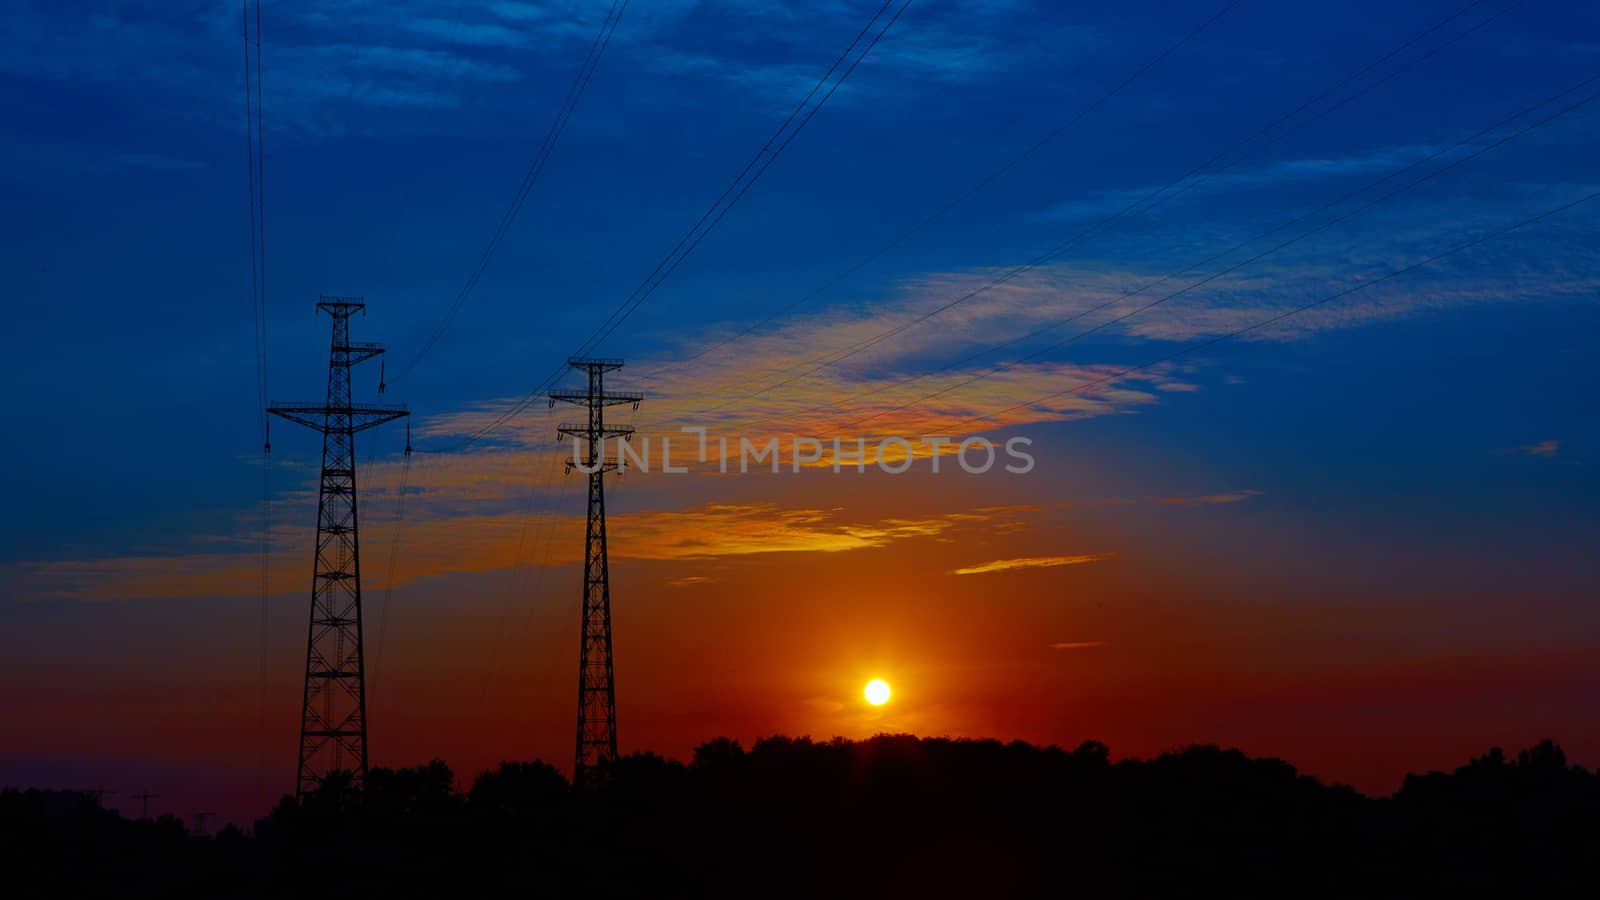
point(894, 816)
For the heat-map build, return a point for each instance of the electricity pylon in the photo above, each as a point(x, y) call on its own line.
point(333, 719)
point(144, 803)
point(597, 699)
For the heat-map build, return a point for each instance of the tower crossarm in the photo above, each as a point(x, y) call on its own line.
point(341, 306)
point(585, 398)
point(319, 416)
point(582, 430)
point(359, 351)
point(594, 363)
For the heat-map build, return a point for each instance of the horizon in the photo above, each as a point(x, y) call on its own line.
point(462, 783)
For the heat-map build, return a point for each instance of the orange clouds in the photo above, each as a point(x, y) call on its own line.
point(720, 529)
point(736, 530)
point(1030, 562)
point(828, 373)
point(215, 574)
point(841, 403)
point(490, 542)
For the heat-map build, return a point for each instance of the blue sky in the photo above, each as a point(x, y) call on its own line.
point(1430, 441)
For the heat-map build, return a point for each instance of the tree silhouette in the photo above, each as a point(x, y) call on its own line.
point(893, 816)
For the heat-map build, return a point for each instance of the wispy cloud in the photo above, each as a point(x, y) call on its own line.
point(717, 530)
point(444, 544)
point(1030, 562)
point(803, 378)
point(1076, 645)
point(829, 372)
point(469, 496)
point(1207, 499)
point(1203, 499)
point(1271, 175)
point(325, 59)
point(824, 705)
point(1543, 449)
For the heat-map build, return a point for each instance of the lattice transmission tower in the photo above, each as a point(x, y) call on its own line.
point(597, 699)
point(333, 720)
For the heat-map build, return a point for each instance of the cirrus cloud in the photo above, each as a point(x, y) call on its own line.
point(1030, 562)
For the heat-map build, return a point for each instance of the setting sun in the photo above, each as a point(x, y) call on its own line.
point(877, 692)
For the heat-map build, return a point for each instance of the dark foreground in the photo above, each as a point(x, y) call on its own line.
point(891, 817)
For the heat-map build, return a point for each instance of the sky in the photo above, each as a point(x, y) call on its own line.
point(1358, 536)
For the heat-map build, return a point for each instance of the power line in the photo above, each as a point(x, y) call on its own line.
point(580, 82)
point(552, 137)
point(818, 363)
point(1274, 249)
point(261, 206)
point(528, 524)
point(983, 183)
point(1241, 244)
point(1279, 317)
point(394, 551)
point(757, 166)
point(257, 201)
point(536, 575)
point(1162, 196)
point(256, 169)
point(1154, 198)
point(264, 623)
point(714, 214)
point(525, 567)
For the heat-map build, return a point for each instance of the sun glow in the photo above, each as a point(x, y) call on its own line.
point(877, 692)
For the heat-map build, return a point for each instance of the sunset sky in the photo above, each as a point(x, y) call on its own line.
point(1363, 537)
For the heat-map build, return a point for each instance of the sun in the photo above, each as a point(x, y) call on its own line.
point(877, 692)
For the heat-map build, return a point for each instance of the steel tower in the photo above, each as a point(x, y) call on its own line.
point(333, 720)
point(597, 710)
